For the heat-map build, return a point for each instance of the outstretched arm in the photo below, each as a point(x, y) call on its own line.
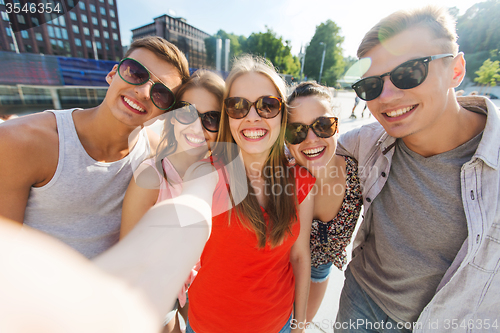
point(147, 258)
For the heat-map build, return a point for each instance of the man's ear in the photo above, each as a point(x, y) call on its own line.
point(458, 69)
point(111, 74)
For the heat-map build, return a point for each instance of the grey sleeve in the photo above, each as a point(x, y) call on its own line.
point(348, 144)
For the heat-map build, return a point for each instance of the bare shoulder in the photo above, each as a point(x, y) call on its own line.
point(29, 143)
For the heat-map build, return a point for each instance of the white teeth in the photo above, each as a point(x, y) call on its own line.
point(254, 134)
point(194, 139)
point(313, 152)
point(133, 105)
point(397, 113)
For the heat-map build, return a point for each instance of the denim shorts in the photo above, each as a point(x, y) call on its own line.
point(286, 329)
point(321, 273)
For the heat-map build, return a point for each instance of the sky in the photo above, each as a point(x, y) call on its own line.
point(294, 20)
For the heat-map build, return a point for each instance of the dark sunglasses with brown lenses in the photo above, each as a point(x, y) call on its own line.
point(266, 106)
point(323, 127)
point(186, 114)
point(135, 73)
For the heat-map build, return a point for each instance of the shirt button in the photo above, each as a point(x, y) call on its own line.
point(472, 195)
point(383, 174)
point(368, 200)
point(478, 237)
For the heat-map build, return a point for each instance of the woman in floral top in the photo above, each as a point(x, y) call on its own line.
point(312, 140)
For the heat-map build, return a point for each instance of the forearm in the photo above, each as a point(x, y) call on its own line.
point(302, 271)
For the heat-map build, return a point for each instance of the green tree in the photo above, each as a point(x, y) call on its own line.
point(234, 47)
point(272, 47)
point(489, 73)
point(329, 34)
point(478, 30)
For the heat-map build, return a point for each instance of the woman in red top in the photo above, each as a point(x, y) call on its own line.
point(255, 268)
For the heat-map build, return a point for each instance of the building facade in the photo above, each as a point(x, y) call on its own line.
point(187, 38)
point(90, 30)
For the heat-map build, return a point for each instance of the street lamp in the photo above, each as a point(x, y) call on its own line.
point(322, 61)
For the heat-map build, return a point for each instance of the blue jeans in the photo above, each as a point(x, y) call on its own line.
point(321, 273)
point(286, 329)
point(359, 313)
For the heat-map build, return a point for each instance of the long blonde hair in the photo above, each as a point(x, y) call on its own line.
point(281, 209)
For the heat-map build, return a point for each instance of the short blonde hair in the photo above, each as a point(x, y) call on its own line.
point(436, 19)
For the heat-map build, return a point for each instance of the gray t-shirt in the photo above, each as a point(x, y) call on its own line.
point(418, 225)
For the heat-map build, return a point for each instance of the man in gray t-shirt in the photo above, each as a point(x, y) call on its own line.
point(425, 176)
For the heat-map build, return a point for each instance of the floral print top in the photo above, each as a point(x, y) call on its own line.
point(329, 239)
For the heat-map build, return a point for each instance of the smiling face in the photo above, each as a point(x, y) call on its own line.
point(253, 134)
point(417, 112)
point(194, 135)
point(132, 104)
point(314, 152)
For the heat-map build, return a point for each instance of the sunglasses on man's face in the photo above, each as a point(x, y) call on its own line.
point(408, 75)
point(187, 114)
point(267, 107)
point(133, 72)
point(323, 127)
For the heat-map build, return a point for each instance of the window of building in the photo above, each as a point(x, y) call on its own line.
point(115, 36)
point(38, 36)
point(60, 43)
point(92, 8)
point(106, 34)
point(50, 30)
point(28, 48)
point(34, 20)
point(107, 46)
point(53, 42)
point(52, 20)
point(12, 47)
point(5, 16)
point(111, 2)
point(78, 42)
point(79, 54)
point(21, 19)
point(94, 20)
point(75, 29)
point(86, 31)
point(58, 32)
point(112, 13)
point(98, 45)
point(67, 48)
point(73, 16)
point(62, 21)
point(101, 1)
point(84, 18)
point(64, 33)
point(113, 24)
point(103, 11)
point(71, 3)
point(96, 33)
point(88, 43)
point(7, 29)
point(82, 5)
point(104, 23)
point(2, 2)
point(41, 49)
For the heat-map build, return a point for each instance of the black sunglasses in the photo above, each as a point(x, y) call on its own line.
point(408, 75)
point(187, 114)
point(323, 127)
point(133, 72)
point(266, 106)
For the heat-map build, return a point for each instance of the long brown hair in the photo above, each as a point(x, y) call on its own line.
point(281, 208)
point(204, 79)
